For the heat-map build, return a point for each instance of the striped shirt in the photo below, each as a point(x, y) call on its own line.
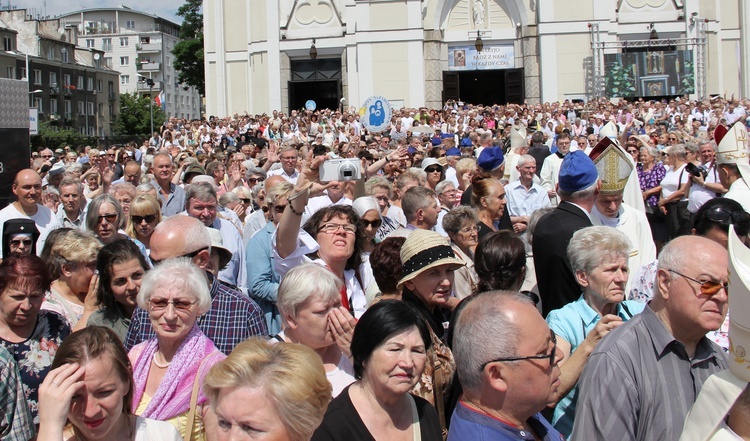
point(232, 319)
point(639, 383)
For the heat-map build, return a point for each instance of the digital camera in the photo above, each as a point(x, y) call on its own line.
point(342, 169)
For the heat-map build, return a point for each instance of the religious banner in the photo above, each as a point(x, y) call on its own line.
point(492, 57)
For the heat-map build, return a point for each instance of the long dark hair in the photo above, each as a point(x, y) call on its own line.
point(119, 251)
point(499, 260)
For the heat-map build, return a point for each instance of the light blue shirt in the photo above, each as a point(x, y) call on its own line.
point(235, 272)
point(175, 203)
point(573, 322)
point(263, 281)
point(522, 202)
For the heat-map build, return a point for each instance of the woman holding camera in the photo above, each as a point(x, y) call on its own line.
point(334, 235)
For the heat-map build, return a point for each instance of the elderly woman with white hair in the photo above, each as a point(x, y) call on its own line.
point(446, 193)
point(170, 367)
point(599, 256)
point(310, 304)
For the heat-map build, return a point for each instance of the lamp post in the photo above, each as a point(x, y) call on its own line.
point(150, 83)
point(31, 94)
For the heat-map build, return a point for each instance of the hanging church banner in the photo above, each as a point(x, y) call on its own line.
point(492, 57)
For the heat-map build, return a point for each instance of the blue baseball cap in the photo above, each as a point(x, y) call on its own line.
point(492, 158)
point(577, 172)
point(453, 151)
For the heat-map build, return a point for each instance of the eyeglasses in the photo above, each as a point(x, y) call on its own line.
point(190, 255)
point(19, 242)
point(433, 169)
point(334, 228)
point(632, 151)
point(255, 180)
point(111, 218)
point(469, 230)
point(158, 304)
point(551, 356)
point(375, 224)
point(279, 208)
point(149, 218)
point(708, 287)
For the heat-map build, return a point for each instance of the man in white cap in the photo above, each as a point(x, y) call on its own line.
point(732, 160)
point(614, 168)
point(727, 392)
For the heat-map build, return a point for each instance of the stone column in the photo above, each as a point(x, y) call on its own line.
point(344, 78)
point(285, 74)
point(532, 79)
point(433, 73)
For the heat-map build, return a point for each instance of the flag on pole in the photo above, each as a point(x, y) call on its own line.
point(159, 100)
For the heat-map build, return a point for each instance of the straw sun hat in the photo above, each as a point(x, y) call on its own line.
point(423, 250)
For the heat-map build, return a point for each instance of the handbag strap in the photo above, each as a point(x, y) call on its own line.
point(417, 430)
point(193, 404)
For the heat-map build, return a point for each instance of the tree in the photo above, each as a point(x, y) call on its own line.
point(188, 53)
point(135, 115)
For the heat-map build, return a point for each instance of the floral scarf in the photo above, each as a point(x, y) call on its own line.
point(172, 398)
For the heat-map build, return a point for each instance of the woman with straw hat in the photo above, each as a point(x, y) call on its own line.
point(427, 283)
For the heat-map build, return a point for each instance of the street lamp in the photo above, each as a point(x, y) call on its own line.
point(150, 83)
point(31, 94)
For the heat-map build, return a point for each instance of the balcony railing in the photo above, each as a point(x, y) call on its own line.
point(150, 66)
point(149, 47)
point(143, 87)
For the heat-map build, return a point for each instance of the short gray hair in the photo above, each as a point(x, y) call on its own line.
point(71, 181)
point(677, 150)
point(651, 151)
point(123, 188)
point(303, 283)
point(484, 331)
point(180, 273)
point(255, 171)
point(378, 182)
point(416, 198)
point(587, 193)
point(591, 246)
point(454, 220)
point(442, 185)
point(92, 213)
point(228, 197)
point(202, 191)
point(523, 159)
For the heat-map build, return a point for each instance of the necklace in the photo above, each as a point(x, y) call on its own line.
point(160, 365)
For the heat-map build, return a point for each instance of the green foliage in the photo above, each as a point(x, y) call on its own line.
point(54, 137)
point(620, 81)
point(188, 52)
point(687, 80)
point(135, 116)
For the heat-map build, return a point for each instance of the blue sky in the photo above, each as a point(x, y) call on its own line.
point(163, 8)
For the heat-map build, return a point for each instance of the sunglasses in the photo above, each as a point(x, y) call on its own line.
point(111, 218)
point(632, 151)
point(708, 287)
point(279, 209)
point(149, 218)
point(19, 242)
point(158, 304)
point(551, 356)
point(433, 169)
point(672, 139)
point(375, 224)
point(245, 201)
point(255, 180)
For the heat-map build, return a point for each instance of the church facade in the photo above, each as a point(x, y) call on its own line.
point(263, 55)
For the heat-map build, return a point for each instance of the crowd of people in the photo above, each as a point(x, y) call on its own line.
point(474, 272)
